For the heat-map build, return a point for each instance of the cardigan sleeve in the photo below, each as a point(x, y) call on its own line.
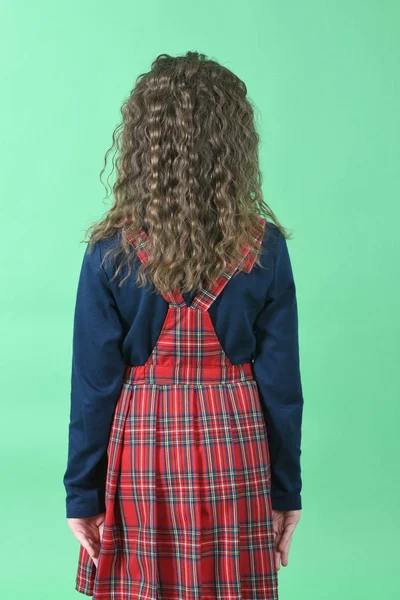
point(276, 369)
point(96, 380)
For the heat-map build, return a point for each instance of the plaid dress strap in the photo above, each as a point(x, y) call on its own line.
point(209, 292)
point(174, 298)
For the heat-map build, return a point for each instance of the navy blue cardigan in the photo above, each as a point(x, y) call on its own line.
point(255, 318)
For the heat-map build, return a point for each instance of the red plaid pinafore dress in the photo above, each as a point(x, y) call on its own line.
point(188, 508)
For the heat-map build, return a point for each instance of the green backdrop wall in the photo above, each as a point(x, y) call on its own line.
point(325, 78)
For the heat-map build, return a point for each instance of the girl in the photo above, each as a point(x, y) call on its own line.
point(183, 478)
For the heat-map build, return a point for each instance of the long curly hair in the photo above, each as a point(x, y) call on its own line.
point(187, 172)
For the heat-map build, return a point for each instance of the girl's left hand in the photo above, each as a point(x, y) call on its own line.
point(284, 523)
point(89, 533)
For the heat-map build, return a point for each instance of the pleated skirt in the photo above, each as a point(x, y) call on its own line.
point(188, 507)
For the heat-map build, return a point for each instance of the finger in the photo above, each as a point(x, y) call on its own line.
point(285, 539)
point(285, 558)
point(284, 550)
point(101, 530)
point(284, 543)
point(276, 530)
point(277, 539)
point(90, 546)
point(277, 554)
point(277, 558)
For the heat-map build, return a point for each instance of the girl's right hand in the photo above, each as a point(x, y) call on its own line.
point(89, 533)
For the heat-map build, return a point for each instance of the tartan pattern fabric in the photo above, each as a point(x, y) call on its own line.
point(188, 508)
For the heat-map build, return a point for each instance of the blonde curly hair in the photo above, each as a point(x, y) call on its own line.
point(187, 172)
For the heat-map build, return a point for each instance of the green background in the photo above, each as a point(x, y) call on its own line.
point(325, 77)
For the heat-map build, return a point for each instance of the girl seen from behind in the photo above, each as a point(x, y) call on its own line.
point(183, 477)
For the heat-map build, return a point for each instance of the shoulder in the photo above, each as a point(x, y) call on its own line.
point(273, 241)
point(96, 253)
point(271, 234)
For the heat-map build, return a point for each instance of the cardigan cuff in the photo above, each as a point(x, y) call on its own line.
point(287, 502)
point(81, 508)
